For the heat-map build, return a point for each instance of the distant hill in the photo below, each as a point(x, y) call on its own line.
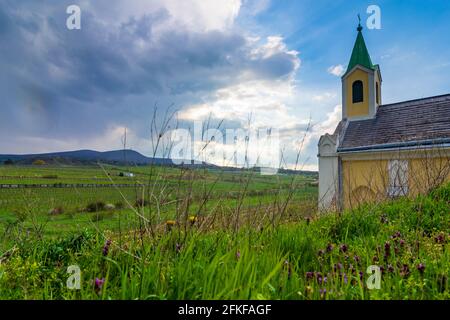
point(116, 157)
point(89, 156)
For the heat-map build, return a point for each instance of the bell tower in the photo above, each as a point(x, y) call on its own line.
point(361, 83)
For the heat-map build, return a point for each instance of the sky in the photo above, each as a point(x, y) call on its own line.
point(238, 64)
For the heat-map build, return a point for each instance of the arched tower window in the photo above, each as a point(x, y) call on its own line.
point(357, 91)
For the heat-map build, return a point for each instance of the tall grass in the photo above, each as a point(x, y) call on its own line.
point(319, 258)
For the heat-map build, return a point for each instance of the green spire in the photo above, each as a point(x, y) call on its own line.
point(360, 55)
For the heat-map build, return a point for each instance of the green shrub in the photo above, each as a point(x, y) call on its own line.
point(39, 162)
point(119, 205)
point(95, 206)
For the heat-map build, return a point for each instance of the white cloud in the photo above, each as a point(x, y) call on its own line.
point(337, 70)
point(332, 120)
point(326, 96)
point(195, 15)
point(326, 126)
point(264, 99)
point(254, 7)
point(318, 129)
point(274, 45)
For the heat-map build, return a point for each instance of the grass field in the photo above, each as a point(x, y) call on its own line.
point(168, 185)
point(207, 234)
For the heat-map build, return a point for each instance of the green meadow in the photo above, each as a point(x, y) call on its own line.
point(166, 187)
point(173, 233)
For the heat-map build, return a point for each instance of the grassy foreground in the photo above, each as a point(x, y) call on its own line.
point(319, 258)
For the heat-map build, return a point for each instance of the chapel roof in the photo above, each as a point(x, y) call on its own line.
point(414, 122)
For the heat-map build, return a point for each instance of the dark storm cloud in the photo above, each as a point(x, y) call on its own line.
point(56, 82)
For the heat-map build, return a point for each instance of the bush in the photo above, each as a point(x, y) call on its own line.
point(39, 162)
point(58, 251)
point(110, 207)
point(95, 206)
point(119, 205)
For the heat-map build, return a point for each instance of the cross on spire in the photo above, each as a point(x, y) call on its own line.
point(359, 23)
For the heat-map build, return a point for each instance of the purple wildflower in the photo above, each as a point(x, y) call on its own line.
point(344, 248)
point(382, 269)
point(319, 277)
point(361, 275)
point(321, 252)
point(397, 234)
point(390, 268)
point(98, 284)
point(337, 267)
point(404, 271)
point(178, 247)
point(357, 259)
point(345, 279)
point(440, 238)
point(351, 268)
point(106, 247)
point(421, 268)
point(238, 255)
point(330, 247)
point(387, 249)
point(384, 219)
point(309, 275)
point(322, 280)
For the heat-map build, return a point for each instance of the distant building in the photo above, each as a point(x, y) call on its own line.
point(381, 151)
point(126, 174)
